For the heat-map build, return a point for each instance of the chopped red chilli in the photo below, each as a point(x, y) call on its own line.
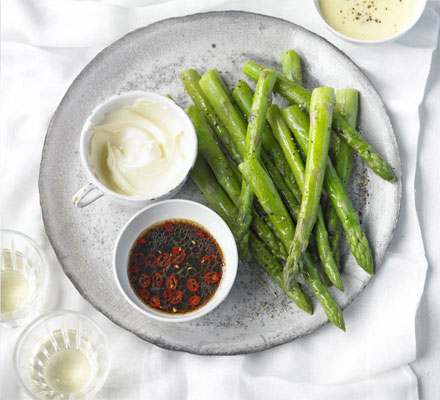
point(178, 258)
point(194, 300)
point(211, 277)
point(157, 279)
point(176, 297)
point(145, 294)
point(134, 269)
point(150, 260)
point(205, 261)
point(168, 226)
point(144, 280)
point(171, 282)
point(192, 285)
point(154, 302)
point(163, 260)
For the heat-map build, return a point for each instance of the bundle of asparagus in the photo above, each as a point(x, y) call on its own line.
point(253, 174)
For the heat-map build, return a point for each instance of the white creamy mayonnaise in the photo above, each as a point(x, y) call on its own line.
point(139, 149)
point(368, 19)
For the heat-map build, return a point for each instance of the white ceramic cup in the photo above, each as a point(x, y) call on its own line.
point(421, 4)
point(175, 209)
point(95, 189)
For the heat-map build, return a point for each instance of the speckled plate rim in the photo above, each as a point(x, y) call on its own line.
point(188, 19)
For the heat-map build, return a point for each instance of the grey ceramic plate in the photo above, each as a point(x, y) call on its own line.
point(256, 315)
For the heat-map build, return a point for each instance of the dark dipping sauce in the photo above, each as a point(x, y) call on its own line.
point(175, 266)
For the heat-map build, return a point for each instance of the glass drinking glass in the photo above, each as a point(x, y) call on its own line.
point(23, 278)
point(62, 355)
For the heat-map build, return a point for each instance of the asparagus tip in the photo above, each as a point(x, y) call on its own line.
point(340, 286)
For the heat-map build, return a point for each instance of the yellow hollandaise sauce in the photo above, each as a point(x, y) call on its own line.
point(368, 19)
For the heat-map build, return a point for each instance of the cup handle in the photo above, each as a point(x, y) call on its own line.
point(85, 196)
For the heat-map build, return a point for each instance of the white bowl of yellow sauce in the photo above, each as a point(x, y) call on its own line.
point(370, 21)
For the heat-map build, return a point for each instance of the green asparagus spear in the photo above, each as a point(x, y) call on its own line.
point(236, 125)
point(347, 105)
point(273, 268)
point(283, 135)
point(219, 201)
point(321, 111)
point(225, 109)
point(354, 139)
point(243, 95)
point(265, 191)
point(257, 118)
point(298, 123)
point(264, 188)
point(320, 290)
point(291, 91)
point(291, 64)
point(222, 82)
point(256, 123)
point(210, 150)
point(234, 121)
point(190, 79)
point(225, 175)
point(287, 196)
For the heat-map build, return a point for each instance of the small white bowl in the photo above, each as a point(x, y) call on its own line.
point(95, 189)
point(420, 7)
point(175, 209)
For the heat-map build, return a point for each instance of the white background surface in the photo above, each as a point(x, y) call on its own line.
point(428, 197)
point(427, 365)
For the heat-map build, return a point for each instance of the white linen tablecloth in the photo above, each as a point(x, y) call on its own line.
point(46, 43)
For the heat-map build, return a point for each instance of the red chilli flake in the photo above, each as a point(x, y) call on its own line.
point(163, 260)
point(134, 269)
point(205, 261)
point(168, 226)
point(178, 258)
point(144, 280)
point(176, 297)
point(157, 279)
point(175, 250)
point(201, 234)
point(150, 260)
point(171, 282)
point(192, 285)
point(211, 277)
point(194, 300)
point(141, 241)
point(154, 302)
point(144, 293)
point(213, 255)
